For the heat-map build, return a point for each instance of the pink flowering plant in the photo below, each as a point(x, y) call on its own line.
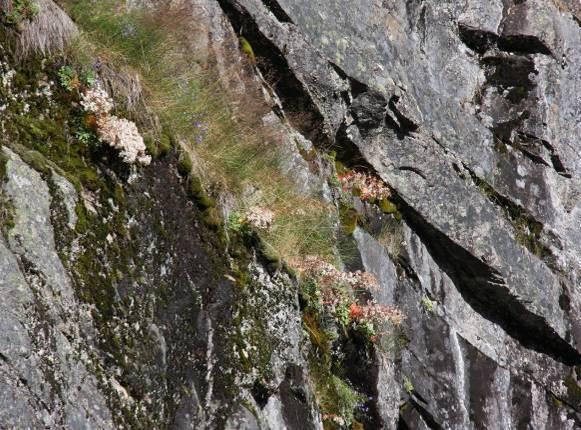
point(332, 292)
point(369, 188)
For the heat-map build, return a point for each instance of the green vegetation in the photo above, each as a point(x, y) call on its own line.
point(247, 49)
point(6, 209)
point(21, 11)
point(387, 206)
point(337, 398)
point(328, 333)
point(407, 385)
point(71, 79)
point(527, 229)
point(349, 218)
point(234, 146)
point(428, 304)
point(573, 390)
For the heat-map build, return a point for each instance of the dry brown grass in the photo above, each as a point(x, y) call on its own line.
point(48, 33)
point(184, 83)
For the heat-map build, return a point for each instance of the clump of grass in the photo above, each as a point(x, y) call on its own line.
point(235, 148)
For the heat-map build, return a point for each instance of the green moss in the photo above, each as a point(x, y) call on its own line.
point(270, 253)
point(427, 304)
point(247, 49)
point(407, 385)
point(151, 146)
point(212, 218)
point(356, 425)
point(185, 164)
point(556, 401)
point(3, 161)
point(387, 206)
point(573, 390)
point(36, 160)
point(349, 218)
point(6, 215)
point(198, 194)
point(166, 143)
point(527, 230)
point(341, 168)
point(405, 407)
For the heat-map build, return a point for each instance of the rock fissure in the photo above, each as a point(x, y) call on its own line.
point(298, 105)
point(486, 291)
point(276, 9)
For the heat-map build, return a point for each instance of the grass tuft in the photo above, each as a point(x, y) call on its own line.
point(236, 149)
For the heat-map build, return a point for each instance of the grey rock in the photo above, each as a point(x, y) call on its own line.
point(43, 351)
point(466, 109)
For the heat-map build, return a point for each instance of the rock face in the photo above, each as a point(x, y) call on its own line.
point(119, 309)
point(468, 110)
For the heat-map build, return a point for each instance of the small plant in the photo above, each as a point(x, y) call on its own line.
point(340, 399)
point(85, 137)
point(71, 80)
point(367, 329)
point(22, 10)
point(118, 133)
point(342, 314)
point(311, 295)
point(376, 314)
point(368, 188)
point(328, 275)
point(407, 385)
point(235, 222)
point(88, 78)
point(259, 218)
point(247, 49)
point(68, 78)
point(427, 304)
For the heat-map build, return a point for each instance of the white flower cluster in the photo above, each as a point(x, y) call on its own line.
point(7, 78)
point(119, 133)
point(97, 101)
point(327, 274)
point(21, 99)
point(123, 135)
point(259, 218)
point(340, 421)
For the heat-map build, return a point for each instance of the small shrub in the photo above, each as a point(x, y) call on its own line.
point(376, 314)
point(124, 136)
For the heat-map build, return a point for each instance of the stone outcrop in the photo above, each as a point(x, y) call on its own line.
point(119, 307)
point(465, 109)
